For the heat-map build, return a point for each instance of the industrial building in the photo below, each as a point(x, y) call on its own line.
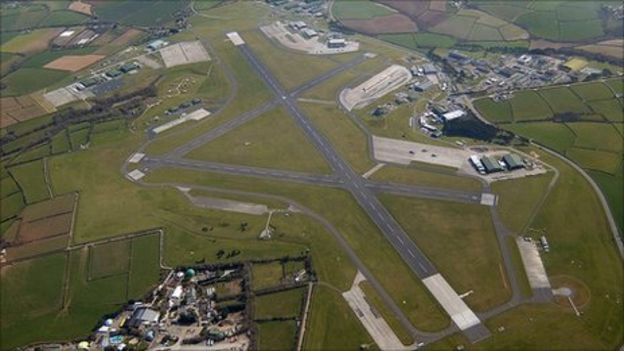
point(156, 44)
point(491, 165)
point(336, 43)
point(309, 33)
point(129, 67)
point(143, 316)
point(449, 116)
point(513, 161)
point(113, 73)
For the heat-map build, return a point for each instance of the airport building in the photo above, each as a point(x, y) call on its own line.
point(513, 161)
point(491, 165)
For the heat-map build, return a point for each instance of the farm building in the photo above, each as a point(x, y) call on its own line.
point(422, 86)
point(513, 161)
point(89, 82)
point(309, 33)
point(113, 73)
point(143, 315)
point(128, 67)
point(298, 25)
point(429, 68)
point(156, 44)
point(336, 43)
point(491, 165)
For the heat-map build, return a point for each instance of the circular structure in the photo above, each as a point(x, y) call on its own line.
point(565, 286)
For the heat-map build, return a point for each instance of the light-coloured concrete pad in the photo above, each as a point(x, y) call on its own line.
point(67, 94)
point(136, 175)
point(136, 158)
point(533, 264)
point(184, 53)
point(456, 308)
point(379, 85)
point(235, 38)
point(372, 171)
point(403, 152)
point(228, 205)
point(375, 325)
point(488, 199)
point(196, 115)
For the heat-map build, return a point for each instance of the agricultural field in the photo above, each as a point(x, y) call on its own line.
point(282, 304)
point(594, 141)
point(31, 179)
point(28, 80)
point(278, 335)
point(134, 12)
point(359, 9)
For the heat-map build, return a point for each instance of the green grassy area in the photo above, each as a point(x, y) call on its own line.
point(359, 9)
point(28, 80)
point(602, 161)
point(517, 198)
point(11, 205)
point(600, 136)
point(592, 91)
point(144, 265)
point(359, 231)
point(135, 12)
point(266, 275)
point(272, 140)
point(610, 109)
point(109, 259)
point(22, 17)
point(31, 180)
point(277, 335)
point(528, 105)
point(60, 143)
point(282, 304)
point(414, 176)
point(345, 136)
point(562, 100)
point(497, 112)
point(596, 262)
point(332, 325)
point(63, 18)
point(31, 288)
point(460, 241)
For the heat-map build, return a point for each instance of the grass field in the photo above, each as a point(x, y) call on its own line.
point(460, 241)
point(600, 136)
point(528, 105)
point(134, 13)
point(144, 265)
point(277, 335)
point(497, 112)
point(414, 176)
point(272, 140)
point(518, 198)
point(32, 42)
point(350, 142)
point(602, 161)
point(31, 180)
point(419, 40)
point(282, 304)
point(610, 109)
point(359, 9)
point(563, 100)
point(266, 275)
point(28, 80)
point(332, 324)
point(109, 259)
point(593, 91)
point(63, 18)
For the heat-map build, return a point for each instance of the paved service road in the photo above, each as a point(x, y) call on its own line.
point(410, 253)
